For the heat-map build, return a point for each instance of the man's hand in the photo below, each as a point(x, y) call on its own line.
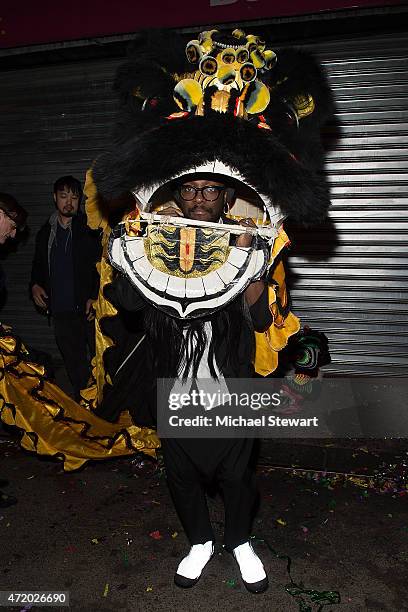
point(89, 310)
point(245, 240)
point(40, 296)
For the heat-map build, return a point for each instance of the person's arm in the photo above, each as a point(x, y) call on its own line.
point(38, 273)
point(259, 308)
point(256, 294)
point(126, 295)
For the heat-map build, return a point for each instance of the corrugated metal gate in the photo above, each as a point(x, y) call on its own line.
point(349, 278)
point(352, 280)
point(54, 121)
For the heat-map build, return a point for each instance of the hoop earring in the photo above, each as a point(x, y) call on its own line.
point(226, 206)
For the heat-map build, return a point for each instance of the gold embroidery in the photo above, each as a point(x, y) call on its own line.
point(190, 254)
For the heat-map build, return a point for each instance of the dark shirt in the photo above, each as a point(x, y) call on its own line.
point(62, 272)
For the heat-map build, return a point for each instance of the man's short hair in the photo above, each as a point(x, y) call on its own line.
point(68, 182)
point(12, 209)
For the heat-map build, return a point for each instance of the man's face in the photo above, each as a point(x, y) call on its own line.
point(67, 202)
point(8, 227)
point(196, 206)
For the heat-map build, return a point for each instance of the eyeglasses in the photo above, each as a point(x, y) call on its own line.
point(209, 192)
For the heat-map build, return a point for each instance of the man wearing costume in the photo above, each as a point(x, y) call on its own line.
point(218, 345)
point(217, 143)
point(200, 283)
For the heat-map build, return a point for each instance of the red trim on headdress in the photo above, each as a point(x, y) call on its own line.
point(179, 115)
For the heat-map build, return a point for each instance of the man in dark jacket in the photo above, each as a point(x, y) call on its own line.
point(64, 280)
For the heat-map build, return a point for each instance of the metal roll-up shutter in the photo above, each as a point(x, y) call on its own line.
point(54, 121)
point(350, 275)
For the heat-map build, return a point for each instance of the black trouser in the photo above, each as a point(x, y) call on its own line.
point(193, 463)
point(75, 336)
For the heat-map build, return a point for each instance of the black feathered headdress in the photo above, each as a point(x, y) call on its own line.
point(225, 104)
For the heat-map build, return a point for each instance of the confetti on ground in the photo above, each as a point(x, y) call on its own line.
point(281, 522)
point(149, 589)
point(95, 541)
point(174, 535)
point(106, 589)
point(231, 583)
point(387, 477)
point(156, 535)
point(302, 595)
point(70, 549)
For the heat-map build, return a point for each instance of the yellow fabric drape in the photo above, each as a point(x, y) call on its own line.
point(51, 422)
point(54, 424)
point(103, 308)
point(285, 324)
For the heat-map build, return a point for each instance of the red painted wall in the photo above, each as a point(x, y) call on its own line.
point(30, 22)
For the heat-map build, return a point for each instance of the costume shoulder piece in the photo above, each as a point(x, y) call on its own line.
point(224, 99)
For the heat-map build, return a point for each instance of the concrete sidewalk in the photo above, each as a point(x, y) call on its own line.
point(109, 535)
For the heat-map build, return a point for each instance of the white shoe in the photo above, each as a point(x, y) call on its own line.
point(252, 570)
point(190, 568)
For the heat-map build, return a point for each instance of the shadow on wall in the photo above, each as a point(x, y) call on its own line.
point(315, 243)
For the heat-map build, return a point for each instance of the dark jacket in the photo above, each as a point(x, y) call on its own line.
point(86, 252)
